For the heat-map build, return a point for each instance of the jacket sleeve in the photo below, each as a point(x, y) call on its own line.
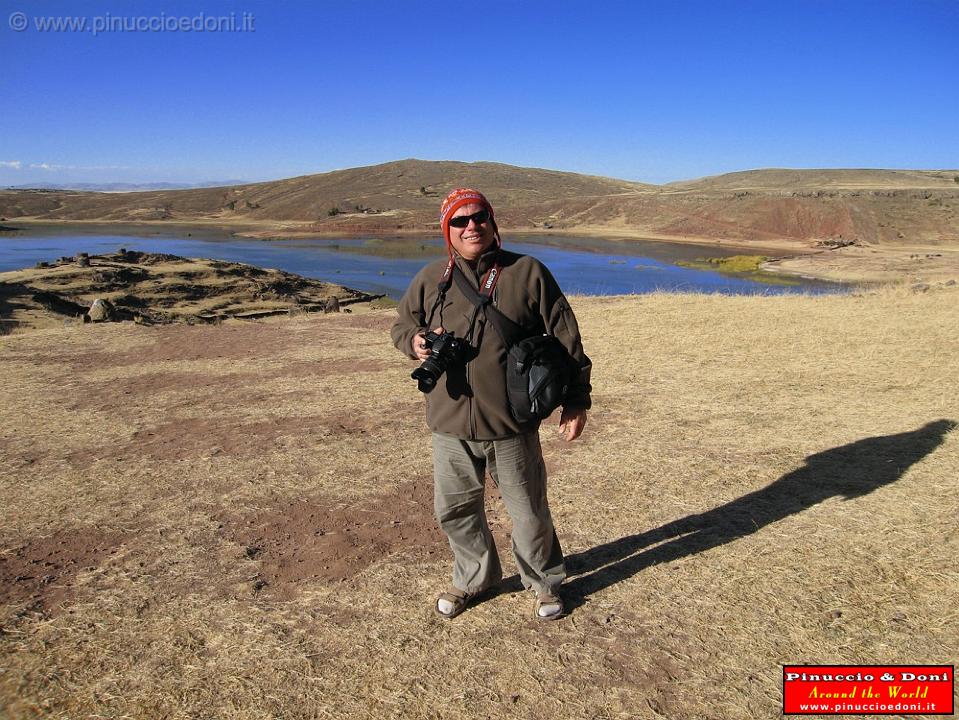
point(411, 316)
point(560, 322)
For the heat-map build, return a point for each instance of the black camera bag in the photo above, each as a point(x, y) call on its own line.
point(538, 373)
point(539, 369)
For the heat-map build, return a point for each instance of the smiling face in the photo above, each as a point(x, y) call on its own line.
point(473, 240)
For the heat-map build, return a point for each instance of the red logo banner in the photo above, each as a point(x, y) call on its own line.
point(868, 689)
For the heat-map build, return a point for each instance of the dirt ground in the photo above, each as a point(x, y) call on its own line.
point(235, 521)
point(870, 264)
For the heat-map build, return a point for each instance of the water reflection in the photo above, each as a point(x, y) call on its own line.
point(582, 265)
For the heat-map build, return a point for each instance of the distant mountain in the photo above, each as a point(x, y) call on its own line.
point(123, 187)
point(888, 206)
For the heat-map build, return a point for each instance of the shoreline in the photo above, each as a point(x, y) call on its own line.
point(276, 231)
point(790, 258)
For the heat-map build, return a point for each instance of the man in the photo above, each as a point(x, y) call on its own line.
point(468, 412)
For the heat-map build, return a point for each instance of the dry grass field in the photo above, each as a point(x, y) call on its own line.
point(235, 521)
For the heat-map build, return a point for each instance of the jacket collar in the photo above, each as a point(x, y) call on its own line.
point(483, 263)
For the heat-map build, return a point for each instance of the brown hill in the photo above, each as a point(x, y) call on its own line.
point(790, 207)
point(824, 179)
point(384, 194)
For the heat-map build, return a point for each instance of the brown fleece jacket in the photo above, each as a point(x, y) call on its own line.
point(470, 401)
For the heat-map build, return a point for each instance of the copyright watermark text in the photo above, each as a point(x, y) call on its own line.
point(108, 23)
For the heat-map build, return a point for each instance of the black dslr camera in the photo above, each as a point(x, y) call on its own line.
point(445, 350)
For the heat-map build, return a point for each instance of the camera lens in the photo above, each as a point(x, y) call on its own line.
point(444, 350)
point(425, 379)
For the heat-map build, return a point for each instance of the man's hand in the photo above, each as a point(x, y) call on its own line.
point(571, 423)
point(419, 344)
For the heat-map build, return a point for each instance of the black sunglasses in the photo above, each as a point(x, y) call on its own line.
point(461, 221)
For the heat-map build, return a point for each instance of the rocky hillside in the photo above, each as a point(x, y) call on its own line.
point(156, 288)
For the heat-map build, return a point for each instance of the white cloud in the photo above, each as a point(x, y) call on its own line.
point(54, 167)
point(15, 164)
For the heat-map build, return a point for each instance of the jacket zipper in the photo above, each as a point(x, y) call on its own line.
point(469, 405)
point(469, 398)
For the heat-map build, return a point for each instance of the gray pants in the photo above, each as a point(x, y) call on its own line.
point(517, 467)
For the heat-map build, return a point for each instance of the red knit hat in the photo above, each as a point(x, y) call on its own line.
point(457, 199)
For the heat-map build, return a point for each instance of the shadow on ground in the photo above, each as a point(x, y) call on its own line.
point(848, 471)
point(9, 292)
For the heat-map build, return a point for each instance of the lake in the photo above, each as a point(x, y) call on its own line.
point(587, 266)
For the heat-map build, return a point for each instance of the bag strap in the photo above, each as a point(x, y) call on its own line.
point(508, 330)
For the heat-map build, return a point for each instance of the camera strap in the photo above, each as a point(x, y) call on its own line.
point(441, 289)
point(508, 330)
point(489, 284)
point(481, 298)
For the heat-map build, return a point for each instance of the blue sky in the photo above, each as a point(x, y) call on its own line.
point(650, 91)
